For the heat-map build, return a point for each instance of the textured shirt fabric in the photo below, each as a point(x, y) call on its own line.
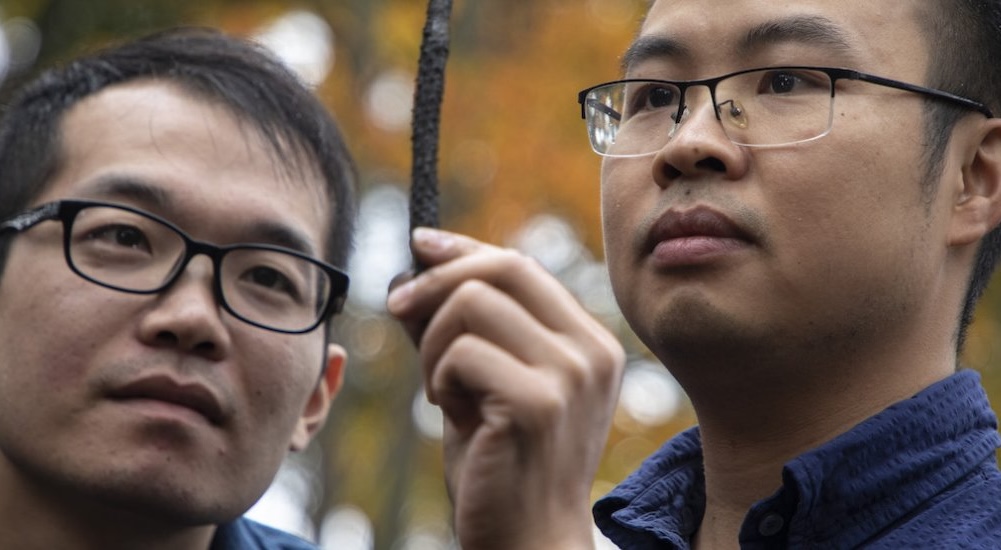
point(245, 534)
point(921, 474)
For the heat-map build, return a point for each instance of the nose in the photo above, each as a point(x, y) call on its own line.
point(187, 315)
point(695, 101)
point(697, 145)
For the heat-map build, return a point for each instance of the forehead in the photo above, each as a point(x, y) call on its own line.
point(882, 37)
point(191, 157)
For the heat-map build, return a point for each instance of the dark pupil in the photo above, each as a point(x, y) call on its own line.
point(265, 277)
point(783, 83)
point(127, 236)
point(661, 97)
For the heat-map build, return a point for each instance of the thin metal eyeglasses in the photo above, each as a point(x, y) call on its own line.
point(764, 107)
point(130, 250)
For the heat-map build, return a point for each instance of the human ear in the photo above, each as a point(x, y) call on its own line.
point(977, 208)
point(315, 412)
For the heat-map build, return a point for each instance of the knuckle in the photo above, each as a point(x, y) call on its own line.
point(470, 292)
point(447, 370)
point(549, 401)
point(599, 359)
point(611, 358)
point(577, 369)
point(517, 263)
point(464, 345)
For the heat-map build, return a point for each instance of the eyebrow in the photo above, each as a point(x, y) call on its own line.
point(127, 188)
point(117, 186)
point(279, 234)
point(652, 47)
point(813, 30)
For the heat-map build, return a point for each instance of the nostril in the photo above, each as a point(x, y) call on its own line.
point(170, 339)
point(167, 338)
point(711, 163)
point(671, 172)
point(205, 348)
point(668, 172)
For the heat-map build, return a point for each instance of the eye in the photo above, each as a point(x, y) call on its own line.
point(271, 279)
point(781, 83)
point(125, 236)
point(786, 82)
point(660, 97)
point(650, 97)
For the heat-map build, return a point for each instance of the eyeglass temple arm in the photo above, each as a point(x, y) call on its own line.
point(598, 106)
point(336, 305)
point(28, 219)
point(965, 102)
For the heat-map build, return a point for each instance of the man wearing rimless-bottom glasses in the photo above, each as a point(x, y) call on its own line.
point(800, 207)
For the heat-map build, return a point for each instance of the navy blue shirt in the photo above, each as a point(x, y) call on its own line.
point(921, 474)
point(244, 534)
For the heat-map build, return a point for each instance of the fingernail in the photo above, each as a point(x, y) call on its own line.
point(399, 297)
point(433, 240)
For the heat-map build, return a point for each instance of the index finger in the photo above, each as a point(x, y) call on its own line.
point(453, 259)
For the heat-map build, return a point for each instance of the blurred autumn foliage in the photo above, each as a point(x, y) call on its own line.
point(513, 149)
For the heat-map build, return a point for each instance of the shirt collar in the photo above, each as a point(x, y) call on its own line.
point(848, 489)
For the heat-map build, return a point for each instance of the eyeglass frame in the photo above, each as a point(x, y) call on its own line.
point(834, 73)
point(66, 211)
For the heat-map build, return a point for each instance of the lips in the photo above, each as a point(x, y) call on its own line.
point(166, 389)
point(683, 237)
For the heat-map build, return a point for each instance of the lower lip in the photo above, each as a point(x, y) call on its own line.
point(163, 410)
point(694, 251)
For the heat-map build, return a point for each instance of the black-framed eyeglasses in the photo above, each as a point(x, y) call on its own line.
point(765, 107)
point(130, 250)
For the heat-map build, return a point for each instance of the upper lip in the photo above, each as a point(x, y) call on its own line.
point(192, 395)
point(700, 221)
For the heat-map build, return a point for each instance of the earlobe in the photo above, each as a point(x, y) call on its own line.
point(977, 208)
point(315, 412)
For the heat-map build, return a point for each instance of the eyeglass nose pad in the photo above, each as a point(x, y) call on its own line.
point(676, 125)
point(734, 113)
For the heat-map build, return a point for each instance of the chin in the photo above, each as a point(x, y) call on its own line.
point(174, 498)
point(184, 507)
point(697, 331)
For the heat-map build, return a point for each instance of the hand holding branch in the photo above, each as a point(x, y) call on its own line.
point(527, 381)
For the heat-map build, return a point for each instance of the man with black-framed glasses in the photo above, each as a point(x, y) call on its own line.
point(800, 206)
point(175, 215)
point(126, 249)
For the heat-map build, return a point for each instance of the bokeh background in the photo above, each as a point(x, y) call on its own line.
point(515, 170)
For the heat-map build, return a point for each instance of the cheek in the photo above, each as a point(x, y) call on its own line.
point(627, 195)
point(844, 187)
point(615, 231)
point(618, 178)
point(610, 211)
point(840, 217)
point(280, 377)
point(51, 326)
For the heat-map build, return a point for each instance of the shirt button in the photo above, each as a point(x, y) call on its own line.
point(771, 525)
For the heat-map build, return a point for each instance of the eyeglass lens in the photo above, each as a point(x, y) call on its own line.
point(132, 252)
point(775, 106)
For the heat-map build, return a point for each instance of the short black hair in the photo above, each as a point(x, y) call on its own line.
point(236, 73)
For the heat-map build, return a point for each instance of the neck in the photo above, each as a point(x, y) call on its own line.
point(757, 415)
point(36, 515)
